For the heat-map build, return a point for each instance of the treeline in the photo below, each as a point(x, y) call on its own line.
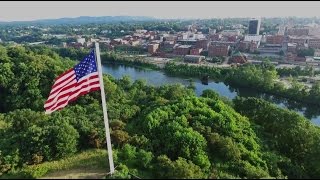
point(132, 61)
point(196, 71)
point(297, 71)
point(263, 77)
point(125, 48)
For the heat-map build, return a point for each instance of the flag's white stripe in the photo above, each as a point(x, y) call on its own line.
point(58, 98)
point(65, 76)
point(88, 76)
point(56, 94)
point(70, 83)
point(71, 97)
point(54, 101)
point(63, 83)
point(75, 95)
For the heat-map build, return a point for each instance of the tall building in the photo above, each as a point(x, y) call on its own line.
point(254, 27)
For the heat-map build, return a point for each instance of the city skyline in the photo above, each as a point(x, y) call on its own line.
point(28, 11)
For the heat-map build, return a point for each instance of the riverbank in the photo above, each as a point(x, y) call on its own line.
point(263, 77)
point(230, 91)
point(135, 61)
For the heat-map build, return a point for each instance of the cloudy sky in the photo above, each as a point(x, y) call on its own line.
point(31, 10)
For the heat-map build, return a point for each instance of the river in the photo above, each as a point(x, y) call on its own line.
point(158, 78)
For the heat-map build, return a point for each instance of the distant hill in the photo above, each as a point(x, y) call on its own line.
point(81, 20)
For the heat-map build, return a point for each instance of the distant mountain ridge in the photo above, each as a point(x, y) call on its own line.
point(82, 20)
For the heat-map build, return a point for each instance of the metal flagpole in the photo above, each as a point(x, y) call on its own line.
point(104, 108)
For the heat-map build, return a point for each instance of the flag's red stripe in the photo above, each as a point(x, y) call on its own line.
point(68, 93)
point(52, 98)
point(57, 103)
point(66, 79)
point(66, 83)
point(65, 102)
point(63, 74)
point(64, 95)
point(69, 86)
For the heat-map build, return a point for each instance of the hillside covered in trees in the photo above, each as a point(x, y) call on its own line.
point(157, 132)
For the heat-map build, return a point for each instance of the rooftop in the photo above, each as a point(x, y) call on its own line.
point(187, 40)
point(292, 44)
point(252, 38)
point(184, 46)
point(238, 54)
point(305, 37)
point(194, 56)
point(272, 45)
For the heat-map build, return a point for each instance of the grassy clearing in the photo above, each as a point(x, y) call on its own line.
point(88, 164)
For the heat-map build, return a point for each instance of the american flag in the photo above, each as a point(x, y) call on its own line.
point(79, 80)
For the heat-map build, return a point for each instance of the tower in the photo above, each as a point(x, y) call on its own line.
point(254, 26)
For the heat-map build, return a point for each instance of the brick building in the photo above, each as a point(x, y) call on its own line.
point(300, 59)
point(231, 38)
point(203, 43)
point(294, 57)
point(238, 58)
point(253, 46)
point(195, 51)
point(76, 45)
point(215, 37)
point(218, 50)
point(299, 40)
point(314, 43)
point(298, 31)
point(152, 48)
point(243, 45)
point(291, 56)
point(275, 39)
point(182, 50)
point(292, 47)
point(311, 41)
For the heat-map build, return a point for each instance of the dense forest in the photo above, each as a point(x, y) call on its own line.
point(156, 132)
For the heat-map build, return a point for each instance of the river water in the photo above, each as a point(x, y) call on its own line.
point(158, 78)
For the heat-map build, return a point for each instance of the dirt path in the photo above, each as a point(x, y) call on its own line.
point(77, 174)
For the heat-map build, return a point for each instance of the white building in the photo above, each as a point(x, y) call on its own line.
point(141, 31)
point(317, 53)
point(212, 31)
point(81, 40)
point(37, 43)
point(230, 32)
point(199, 36)
point(59, 36)
point(254, 38)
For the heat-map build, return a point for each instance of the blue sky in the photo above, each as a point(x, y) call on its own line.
point(31, 10)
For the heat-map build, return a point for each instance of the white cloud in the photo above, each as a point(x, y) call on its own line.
point(30, 10)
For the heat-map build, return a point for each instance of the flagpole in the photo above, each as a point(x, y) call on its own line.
point(104, 108)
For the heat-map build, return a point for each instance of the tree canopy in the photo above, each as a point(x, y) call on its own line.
point(157, 132)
